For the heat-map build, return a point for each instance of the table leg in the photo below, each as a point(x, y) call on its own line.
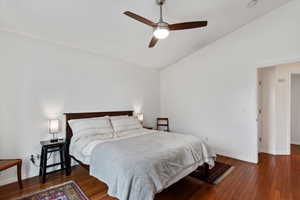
point(19, 169)
point(44, 165)
point(62, 160)
point(41, 162)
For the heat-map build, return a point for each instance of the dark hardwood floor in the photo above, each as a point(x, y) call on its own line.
point(276, 177)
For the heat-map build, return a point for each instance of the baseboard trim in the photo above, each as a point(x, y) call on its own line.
point(14, 179)
point(282, 153)
point(8, 181)
point(274, 151)
point(240, 157)
point(268, 151)
point(296, 143)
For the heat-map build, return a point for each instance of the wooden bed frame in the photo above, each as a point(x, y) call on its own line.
point(69, 134)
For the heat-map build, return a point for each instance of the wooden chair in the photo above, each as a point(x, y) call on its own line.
point(162, 122)
point(8, 163)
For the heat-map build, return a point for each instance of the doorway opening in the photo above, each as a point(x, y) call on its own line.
point(278, 108)
point(295, 109)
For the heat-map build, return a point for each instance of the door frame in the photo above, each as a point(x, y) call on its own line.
point(259, 108)
point(273, 64)
point(290, 106)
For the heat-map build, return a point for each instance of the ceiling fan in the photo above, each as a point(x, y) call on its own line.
point(161, 30)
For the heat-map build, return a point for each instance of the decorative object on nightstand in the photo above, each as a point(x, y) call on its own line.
point(50, 147)
point(162, 124)
point(8, 163)
point(54, 128)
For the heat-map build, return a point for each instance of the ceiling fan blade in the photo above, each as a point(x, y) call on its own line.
point(153, 42)
point(139, 18)
point(187, 25)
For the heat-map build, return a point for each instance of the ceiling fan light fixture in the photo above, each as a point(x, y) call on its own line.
point(161, 30)
point(161, 33)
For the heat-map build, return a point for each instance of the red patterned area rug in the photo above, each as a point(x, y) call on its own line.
point(215, 175)
point(66, 191)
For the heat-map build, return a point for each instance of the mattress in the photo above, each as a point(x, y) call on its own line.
point(140, 167)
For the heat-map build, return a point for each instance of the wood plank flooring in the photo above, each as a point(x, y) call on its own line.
point(275, 178)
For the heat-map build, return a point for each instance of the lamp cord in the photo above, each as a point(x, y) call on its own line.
point(40, 158)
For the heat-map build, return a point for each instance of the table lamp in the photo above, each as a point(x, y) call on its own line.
point(53, 129)
point(140, 117)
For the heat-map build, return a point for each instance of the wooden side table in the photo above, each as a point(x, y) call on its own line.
point(163, 122)
point(8, 163)
point(50, 147)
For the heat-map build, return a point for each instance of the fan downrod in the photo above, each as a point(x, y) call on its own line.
point(160, 2)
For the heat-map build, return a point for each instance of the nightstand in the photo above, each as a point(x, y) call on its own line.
point(49, 147)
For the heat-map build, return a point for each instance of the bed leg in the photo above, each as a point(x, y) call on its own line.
point(68, 167)
point(201, 173)
point(68, 161)
point(206, 171)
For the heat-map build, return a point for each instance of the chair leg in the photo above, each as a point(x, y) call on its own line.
point(19, 169)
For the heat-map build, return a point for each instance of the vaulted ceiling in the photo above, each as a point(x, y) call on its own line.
point(99, 26)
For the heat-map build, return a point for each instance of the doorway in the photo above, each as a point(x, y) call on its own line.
point(295, 109)
point(278, 108)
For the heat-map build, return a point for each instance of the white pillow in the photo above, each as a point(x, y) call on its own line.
point(92, 126)
point(125, 124)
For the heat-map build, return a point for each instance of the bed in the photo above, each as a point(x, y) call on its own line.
point(139, 163)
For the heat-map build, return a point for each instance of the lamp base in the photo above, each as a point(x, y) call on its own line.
point(54, 140)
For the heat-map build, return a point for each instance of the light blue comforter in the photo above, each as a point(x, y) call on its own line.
point(139, 167)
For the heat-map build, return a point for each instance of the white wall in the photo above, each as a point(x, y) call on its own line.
point(212, 93)
point(295, 99)
point(40, 81)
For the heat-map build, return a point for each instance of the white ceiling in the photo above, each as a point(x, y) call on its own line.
point(100, 27)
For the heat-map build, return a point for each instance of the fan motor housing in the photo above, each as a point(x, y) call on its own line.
point(160, 2)
point(162, 25)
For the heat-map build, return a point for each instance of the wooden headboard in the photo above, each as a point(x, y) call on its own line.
point(70, 116)
point(69, 133)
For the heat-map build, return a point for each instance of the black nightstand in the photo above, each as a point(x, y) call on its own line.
point(48, 147)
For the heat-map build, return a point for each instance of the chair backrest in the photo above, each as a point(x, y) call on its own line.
point(162, 123)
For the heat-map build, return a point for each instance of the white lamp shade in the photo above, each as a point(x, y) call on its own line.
point(53, 126)
point(140, 117)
